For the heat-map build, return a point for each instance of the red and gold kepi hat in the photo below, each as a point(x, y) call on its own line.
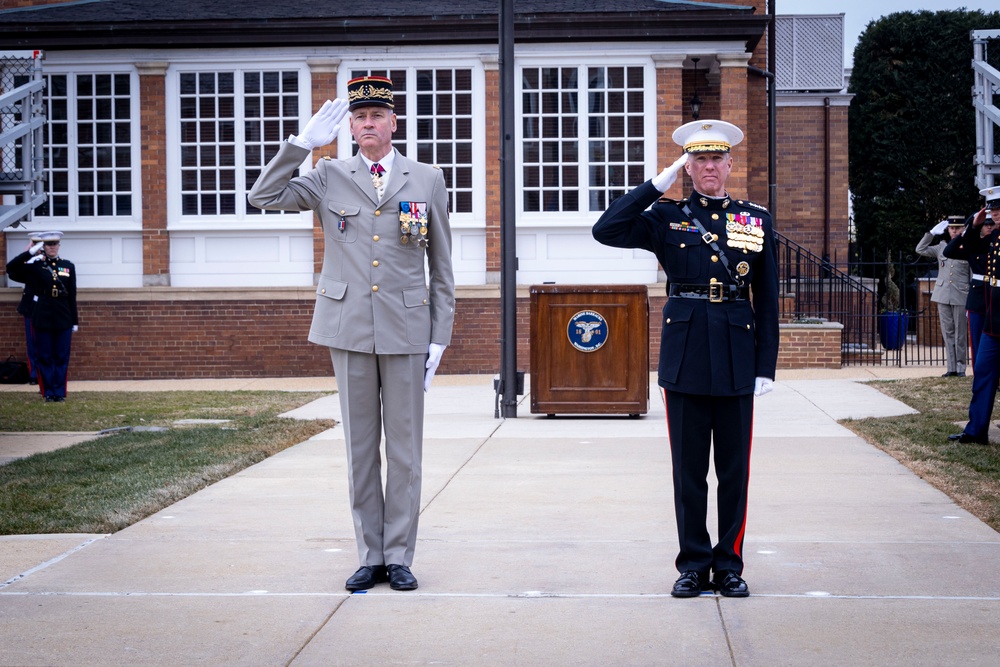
point(707, 136)
point(366, 91)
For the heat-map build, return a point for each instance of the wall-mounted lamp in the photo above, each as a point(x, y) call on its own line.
point(695, 100)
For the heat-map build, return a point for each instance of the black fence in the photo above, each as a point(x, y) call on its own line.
point(852, 293)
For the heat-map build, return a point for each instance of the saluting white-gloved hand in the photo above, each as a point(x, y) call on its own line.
point(666, 178)
point(939, 228)
point(434, 352)
point(37, 248)
point(324, 126)
point(762, 385)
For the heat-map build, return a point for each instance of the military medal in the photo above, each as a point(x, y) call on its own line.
point(742, 268)
point(413, 223)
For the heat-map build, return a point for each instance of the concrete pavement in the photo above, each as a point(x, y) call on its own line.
point(543, 541)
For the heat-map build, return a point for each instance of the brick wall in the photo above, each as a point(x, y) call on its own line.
point(158, 333)
point(802, 165)
point(17, 4)
point(810, 346)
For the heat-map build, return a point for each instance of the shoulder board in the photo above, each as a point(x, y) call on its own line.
point(747, 202)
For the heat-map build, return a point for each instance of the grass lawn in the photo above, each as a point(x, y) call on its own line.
point(106, 484)
point(969, 474)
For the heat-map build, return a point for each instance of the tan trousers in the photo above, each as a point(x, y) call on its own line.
point(383, 392)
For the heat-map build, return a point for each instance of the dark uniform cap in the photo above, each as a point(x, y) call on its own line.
point(992, 195)
point(366, 91)
point(956, 221)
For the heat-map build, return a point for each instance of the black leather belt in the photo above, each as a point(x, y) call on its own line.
point(714, 292)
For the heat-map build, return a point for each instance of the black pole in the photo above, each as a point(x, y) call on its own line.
point(508, 230)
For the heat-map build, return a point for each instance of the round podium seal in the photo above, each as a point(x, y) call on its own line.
point(587, 331)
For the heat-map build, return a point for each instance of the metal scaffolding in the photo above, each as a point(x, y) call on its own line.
point(22, 120)
point(985, 91)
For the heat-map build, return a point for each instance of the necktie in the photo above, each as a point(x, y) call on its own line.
point(377, 172)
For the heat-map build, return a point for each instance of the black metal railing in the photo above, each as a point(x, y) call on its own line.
point(817, 289)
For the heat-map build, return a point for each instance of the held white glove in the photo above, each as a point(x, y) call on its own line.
point(939, 228)
point(37, 258)
point(762, 385)
point(434, 352)
point(75, 328)
point(37, 248)
point(324, 126)
point(667, 177)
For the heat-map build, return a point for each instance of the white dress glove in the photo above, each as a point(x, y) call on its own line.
point(434, 352)
point(37, 248)
point(324, 126)
point(762, 385)
point(75, 328)
point(667, 177)
point(939, 228)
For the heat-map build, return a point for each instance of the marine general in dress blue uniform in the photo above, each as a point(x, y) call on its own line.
point(384, 317)
point(51, 280)
point(719, 343)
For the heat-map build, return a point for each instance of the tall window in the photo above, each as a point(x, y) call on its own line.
point(221, 157)
point(88, 146)
point(566, 109)
point(434, 124)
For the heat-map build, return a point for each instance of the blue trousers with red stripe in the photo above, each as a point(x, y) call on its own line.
point(29, 340)
point(52, 348)
point(986, 374)
point(696, 424)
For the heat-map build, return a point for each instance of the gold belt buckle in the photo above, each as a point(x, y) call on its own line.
point(715, 292)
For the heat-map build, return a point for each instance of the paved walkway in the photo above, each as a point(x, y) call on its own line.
point(543, 541)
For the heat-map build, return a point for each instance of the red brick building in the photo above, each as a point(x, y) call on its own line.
point(160, 116)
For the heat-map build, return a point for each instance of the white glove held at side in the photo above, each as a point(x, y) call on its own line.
point(434, 352)
point(762, 386)
point(667, 177)
point(939, 228)
point(37, 248)
point(75, 328)
point(324, 126)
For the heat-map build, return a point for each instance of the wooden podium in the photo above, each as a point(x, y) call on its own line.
point(589, 349)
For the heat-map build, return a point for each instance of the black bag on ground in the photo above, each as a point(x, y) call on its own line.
point(13, 371)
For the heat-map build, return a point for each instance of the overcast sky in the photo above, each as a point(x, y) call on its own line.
point(859, 13)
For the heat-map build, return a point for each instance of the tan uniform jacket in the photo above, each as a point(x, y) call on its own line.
point(373, 294)
point(952, 284)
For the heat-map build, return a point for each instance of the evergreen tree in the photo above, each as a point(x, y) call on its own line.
point(912, 125)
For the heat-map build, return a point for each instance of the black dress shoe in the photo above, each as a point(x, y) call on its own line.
point(366, 577)
point(689, 585)
point(730, 584)
point(950, 374)
point(400, 578)
point(967, 439)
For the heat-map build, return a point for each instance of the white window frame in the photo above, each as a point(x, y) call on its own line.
point(240, 220)
point(469, 220)
point(73, 221)
point(583, 62)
